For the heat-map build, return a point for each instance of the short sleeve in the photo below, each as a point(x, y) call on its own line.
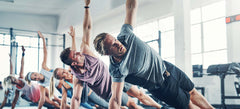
point(127, 86)
point(126, 28)
point(47, 76)
point(117, 76)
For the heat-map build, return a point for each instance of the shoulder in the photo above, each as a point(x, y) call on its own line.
point(126, 28)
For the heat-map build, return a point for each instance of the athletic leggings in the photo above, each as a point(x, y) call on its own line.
point(97, 100)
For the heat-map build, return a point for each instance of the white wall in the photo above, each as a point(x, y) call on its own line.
point(45, 23)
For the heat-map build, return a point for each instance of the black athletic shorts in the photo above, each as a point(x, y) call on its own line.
point(175, 88)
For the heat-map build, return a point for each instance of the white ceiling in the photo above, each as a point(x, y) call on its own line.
point(41, 7)
point(56, 7)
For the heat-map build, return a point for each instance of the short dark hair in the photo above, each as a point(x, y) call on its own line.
point(98, 43)
point(65, 56)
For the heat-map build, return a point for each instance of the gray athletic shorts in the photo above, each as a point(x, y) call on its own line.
point(127, 86)
point(124, 99)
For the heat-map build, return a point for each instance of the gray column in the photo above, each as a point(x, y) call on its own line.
point(233, 39)
point(182, 35)
point(233, 32)
point(53, 51)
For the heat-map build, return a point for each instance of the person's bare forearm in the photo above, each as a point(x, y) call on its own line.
point(22, 64)
point(131, 11)
point(41, 102)
point(131, 4)
point(77, 92)
point(64, 99)
point(114, 103)
point(42, 97)
point(73, 43)
point(44, 46)
point(75, 102)
point(44, 63)
point(72, 34)
point(5, 99)
point(87, 26)
point(15, 99)
point(44, 52)
point(116, 98)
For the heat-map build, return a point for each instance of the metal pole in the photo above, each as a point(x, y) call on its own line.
point(64, 38)
point(11, 40)
point(159, 43)
point(222, 77)
point(46, 41)
point(38, 50)
point(16, 46)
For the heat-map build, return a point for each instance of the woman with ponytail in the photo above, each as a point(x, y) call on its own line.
point(44, 77)
point(64, 84)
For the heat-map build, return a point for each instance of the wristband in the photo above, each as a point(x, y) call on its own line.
point(23, 54)
point(86, 7)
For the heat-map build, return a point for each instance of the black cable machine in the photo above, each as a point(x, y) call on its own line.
point(222, 70)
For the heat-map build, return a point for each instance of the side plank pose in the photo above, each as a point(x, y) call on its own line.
point(133, 61)
point(43, 77)
point(9, 91)
point(31, 92)
point(86, 67)
point(65, 86)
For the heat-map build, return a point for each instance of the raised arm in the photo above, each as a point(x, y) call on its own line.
point(44, 63)
point(87, 24)
point(115, 101)
point(64, 98)
point(11, 66)
point(5, 99)
point(131, 12)
point(22, 63)
point(77, 92)
point(42, 97)
point(72, 34)
point(15, 99)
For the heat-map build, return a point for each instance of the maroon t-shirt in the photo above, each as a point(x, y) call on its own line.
point(97, 76)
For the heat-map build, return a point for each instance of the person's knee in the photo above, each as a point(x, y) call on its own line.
point(192, 106)
point(141, 95)
point(134, 91)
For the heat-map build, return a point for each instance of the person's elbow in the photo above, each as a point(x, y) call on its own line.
point(87, 27)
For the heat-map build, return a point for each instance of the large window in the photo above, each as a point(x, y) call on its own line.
point(4, 55)
point(34, 51)
point(150, 31)
point(208, 35)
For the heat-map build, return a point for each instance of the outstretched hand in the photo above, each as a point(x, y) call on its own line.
point(72, 32)
point(40, 34)
point(23, 49)
point(87, 2)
